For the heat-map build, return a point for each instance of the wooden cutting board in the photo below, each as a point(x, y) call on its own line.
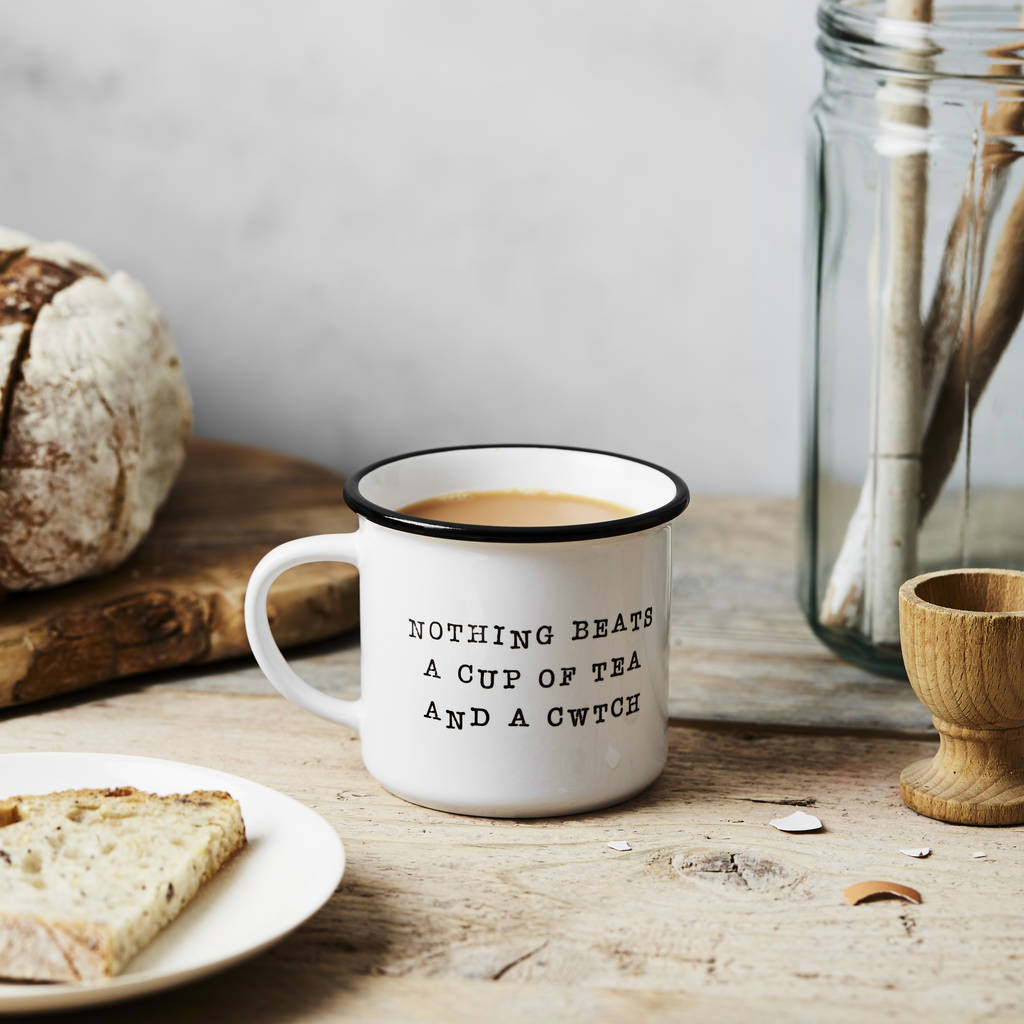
point(179, 599)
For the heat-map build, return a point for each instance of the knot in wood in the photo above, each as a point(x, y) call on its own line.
point(739, 870)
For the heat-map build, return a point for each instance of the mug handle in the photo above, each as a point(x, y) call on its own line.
point(327, 547)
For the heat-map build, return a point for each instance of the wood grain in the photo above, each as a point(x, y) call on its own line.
point(713, 914)
point(179, 599)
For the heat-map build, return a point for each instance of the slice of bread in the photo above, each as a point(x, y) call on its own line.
point(89, 876)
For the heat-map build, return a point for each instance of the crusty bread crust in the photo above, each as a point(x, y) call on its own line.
point(94, 413)
point(200, 797)
point(189, 836)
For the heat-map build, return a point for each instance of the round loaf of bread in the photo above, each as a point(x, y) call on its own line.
point(94, 412)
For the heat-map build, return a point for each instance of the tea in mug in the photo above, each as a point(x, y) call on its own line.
point(517, 508)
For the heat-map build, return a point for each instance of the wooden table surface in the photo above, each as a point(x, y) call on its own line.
point(713, 914)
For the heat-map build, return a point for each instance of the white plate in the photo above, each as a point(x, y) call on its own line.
point(252, 902)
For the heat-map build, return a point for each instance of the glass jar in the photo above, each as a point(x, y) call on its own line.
point(914, 376)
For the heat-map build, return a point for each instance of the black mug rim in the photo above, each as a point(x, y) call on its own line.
point(391, 519)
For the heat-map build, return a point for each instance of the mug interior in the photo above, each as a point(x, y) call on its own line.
point(655, 494)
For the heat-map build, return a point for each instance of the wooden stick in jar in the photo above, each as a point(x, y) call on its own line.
point(999, 312)
point(997, 318)
point(897, 413)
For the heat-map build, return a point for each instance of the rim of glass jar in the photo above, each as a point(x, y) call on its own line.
point(962, 41)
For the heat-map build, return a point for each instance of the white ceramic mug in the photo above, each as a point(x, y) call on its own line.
point(506, 671)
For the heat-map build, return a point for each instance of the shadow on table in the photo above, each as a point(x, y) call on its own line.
point(753, 764)
point(795, 768)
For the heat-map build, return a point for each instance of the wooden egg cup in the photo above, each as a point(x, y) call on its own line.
point(962, 635)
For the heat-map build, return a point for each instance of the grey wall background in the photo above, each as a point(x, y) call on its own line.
point(383, 224)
